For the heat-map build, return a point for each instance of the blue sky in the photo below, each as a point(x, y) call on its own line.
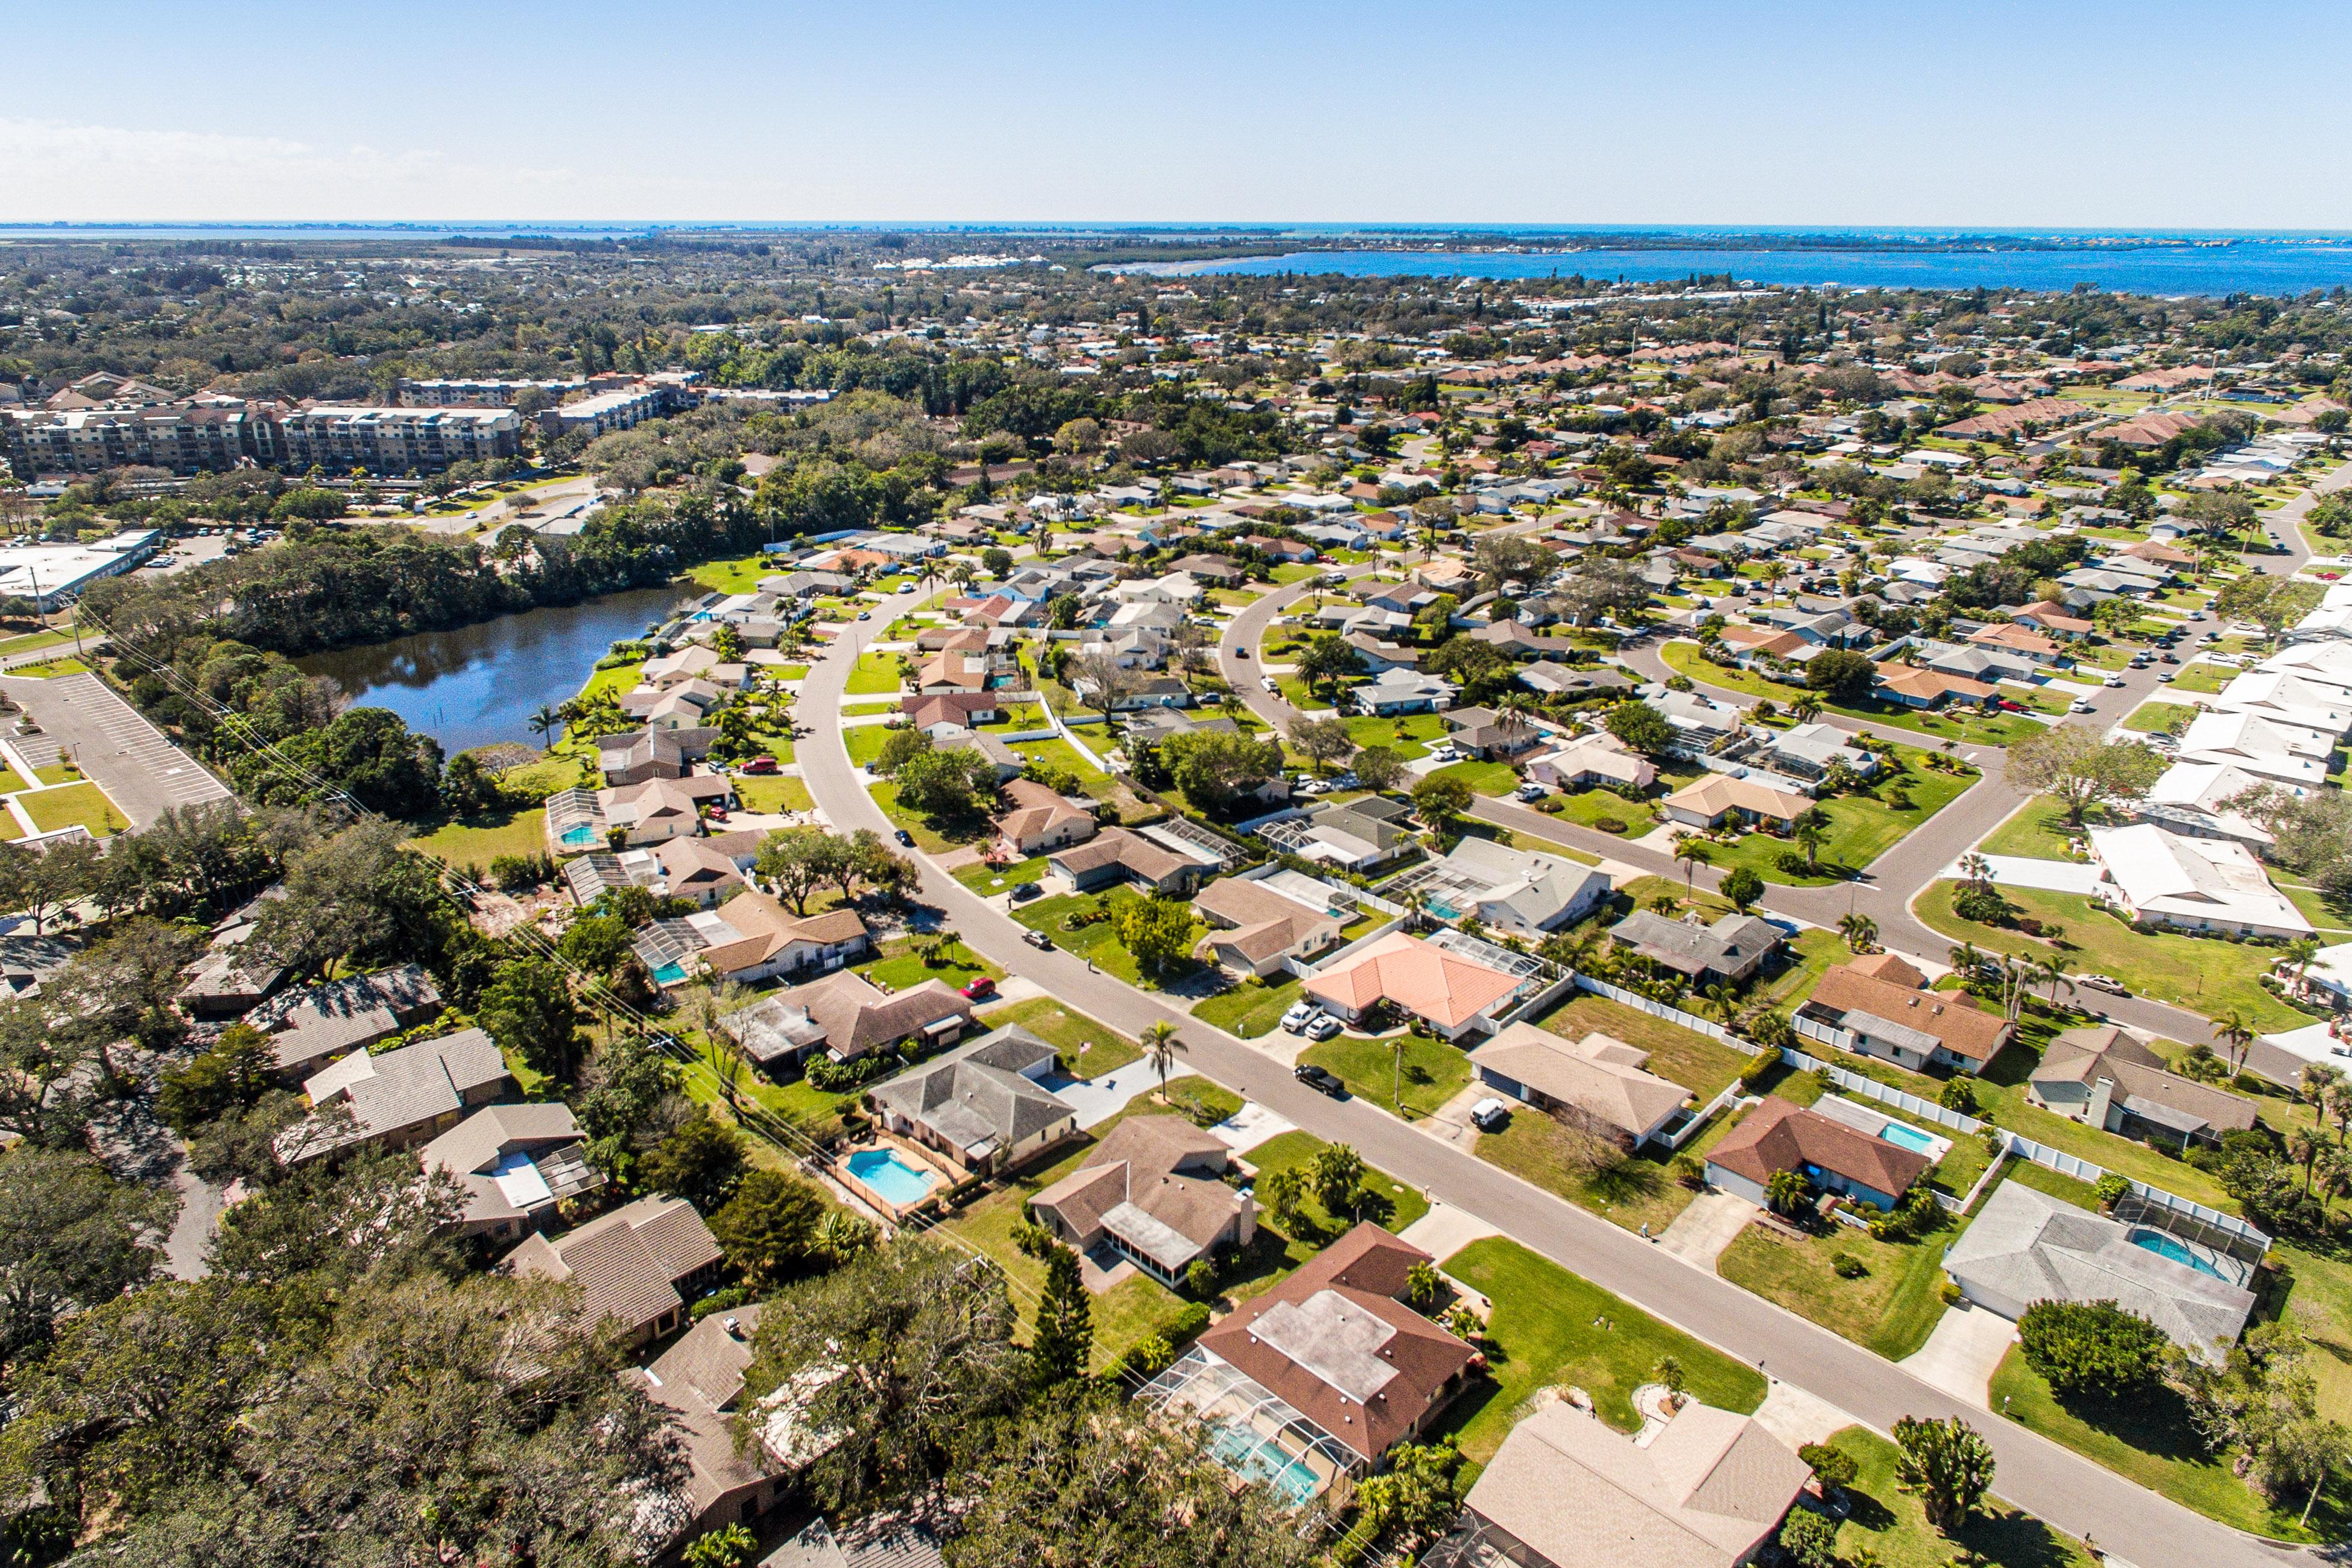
point(2155, 114)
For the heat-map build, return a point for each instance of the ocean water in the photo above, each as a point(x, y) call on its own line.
point(2272, 267)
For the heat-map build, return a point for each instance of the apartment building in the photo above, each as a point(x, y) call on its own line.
point(195, 436)
point(395, 440)
point(461, 393)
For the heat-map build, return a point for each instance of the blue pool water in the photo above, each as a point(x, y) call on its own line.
point(1909, 1138)
point(580, 832)
point(2163, 1245)
point(1240, 1450)
point(670, 974)
point(891, 1178)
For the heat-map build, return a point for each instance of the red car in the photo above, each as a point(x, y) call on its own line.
point(979, 988)
point(2006, 706)
point(763, 764)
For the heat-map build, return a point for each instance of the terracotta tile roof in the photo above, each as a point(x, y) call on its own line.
point(1430, 982)
point(1779, 1136)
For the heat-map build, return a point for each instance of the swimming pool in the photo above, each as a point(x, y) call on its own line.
point(580, 832)
point(1909, 1138)
point(670, 974)
point(2164, 1246)
point(891, 1178)
point(1253, 1459)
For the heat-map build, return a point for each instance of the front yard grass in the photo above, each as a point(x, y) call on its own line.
point(1551, 1328)
point(1592, 807)
point(1891, 1525)
point(876, 674)
point(1096, 942)
point(2170, 718)
point(773, 794)
point(84, 805)
point(1433, 1072)
point(1987, 730)
point(1891, 1310)
point(1381, 1198)
point(483, 839)
point(986, 880)
point(1092, 1050)
point(925, 831)
point(1250, 1009)
point(2204, 974)
point(1635, 1192)
point(899, 967)
point(2036, 832)
point(1408, 737)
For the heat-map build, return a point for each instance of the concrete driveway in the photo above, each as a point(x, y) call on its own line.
point(1963, 1353)
point(1100, 1098)
point(1702, 1231)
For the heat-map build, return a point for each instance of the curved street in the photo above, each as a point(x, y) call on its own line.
point(2040, 1476)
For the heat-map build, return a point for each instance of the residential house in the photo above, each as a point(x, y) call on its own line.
point(984, 1108)
point(1396, 691)
point(1833, 1155)
point(1598, 1084)
point(399, 1097)
point(1707, 1488)
point(2193, 799)
point(635, 756)
point(1260, 930)
point(2191, 884)
point(312, 1027)
point(1730, 952)
point(699, 1383)
point(1888, 1016)
point(1354, 837)
point(1114, 855)
point(1700, 724)
point(1359, 1371)
point(2102, 1077)
point(846, 1017)
point(1442, 985)
point(1717, 798)
point(750, 938)
point(1597, 760)
point(1518, 891)
point(1810, 751)
point(1549, 678)
point(230, 979)
point(962, 709)
point(1037, 820)
point(951, 672)
point(2025, 1246)
point(2020, 642)
point(1493, 737)
point(1379, 658)
point(517, 1164)
point(638, 1266)
point(1152, 1194)
point(2051, 620)
point(1914, 688)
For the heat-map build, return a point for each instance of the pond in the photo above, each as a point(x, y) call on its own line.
point(474, 685)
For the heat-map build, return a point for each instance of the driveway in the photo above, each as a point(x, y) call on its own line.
point(1963, 1352)
point(1098, 1099)
point(1702, 1231)
point(2071, 1492)
point(1250, 1126)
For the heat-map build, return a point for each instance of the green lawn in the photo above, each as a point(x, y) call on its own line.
point(2037, 832)
point(2205, 975)
point(2171, 718)
point(1203, 1100)
point(1060, 753)
point(47, 668)
point(925, 831)
point(774, 793)
point(11, 781)
point(2148, 1439)
point(1484, 778)
point(614, 679)
point(81, 804)
point(1433, 1071)
point(1551, 1328)
point(1892, 1309)
point(1250, 1009)
point(1633, 1192)
point(484, 839)
point(984, 880)
point(876, 674)
point(732, 576)
point(2205, 678)
point(1890, 1524)
point(1812, 950)
point(1092, 1050)
point(1381, 1198)
point(1592, 807)
point(1098, 942)
point(1699, 1064)
point(899, 967)
point(32, 641)
point(1408, 736)
point(864, 743)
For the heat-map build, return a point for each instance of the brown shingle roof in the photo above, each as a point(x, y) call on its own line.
point(1780, 1136)
point(1951, 1016)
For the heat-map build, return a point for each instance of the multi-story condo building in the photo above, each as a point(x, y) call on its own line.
point(457, 392)
point(395, 440)
point(189, 437)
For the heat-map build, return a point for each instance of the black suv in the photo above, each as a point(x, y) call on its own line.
point(1322, 1080)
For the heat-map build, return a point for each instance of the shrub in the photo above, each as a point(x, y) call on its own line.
point(1846, 1266)
point(1810, 1538)
point(1959, 1094)
point(1835, 1467)
point(2111, 1189)
point(1609, 824)
point(1949, 1293)
point(2030, 924)
point(2090, 1347)
point(1758, 1067)
point(1789, 863)
point(1201, 1278)
point(1981, 904)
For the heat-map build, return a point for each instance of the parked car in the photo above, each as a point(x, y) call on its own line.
point(1038, 939)
point(904, 838)
point(1241, 653)
point(2079, 705)
point(906, 587)
point(2165, 678)
point(2106, 982)
point(2006, 706)
point(763, 764)
point(2113, 681)
point(1530, 791)
point(1301, 1012)
point(1322, 1028)
point(1489, 1113)
point(2166, 659)
point(1322, 1080)
point(978, 987)
point(865, 615)
point(1026, 892)
point(1271, 684)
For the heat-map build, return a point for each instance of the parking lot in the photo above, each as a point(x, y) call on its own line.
point(142, 771)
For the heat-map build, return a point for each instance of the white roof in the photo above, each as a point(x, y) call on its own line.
point(2166, 874)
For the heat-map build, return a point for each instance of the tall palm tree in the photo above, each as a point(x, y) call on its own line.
point(1809, 839)
point(1160, 1047)
point(1805, 708)
point(2320, 1079)
point(1396, 1083)
point(1976, 869)
point(545, 722)
point(1968, 959)
point(2305, 1146)
point(2236, 1033)
point(2053, 970)
point(1691, 850)
point(1859, 930)
point(1786, 1192)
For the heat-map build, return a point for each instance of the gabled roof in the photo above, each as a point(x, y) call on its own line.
point(979, 1099)
point(627, 1263)
point(1437, 984)
point(1602, 1077)
point(1951, 1017)
point(2144, 1084)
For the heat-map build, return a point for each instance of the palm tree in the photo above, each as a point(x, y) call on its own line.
point(1805, 708)
point(2052, 969)
point(2236, 1033)
point(2320, 1081)
point(1692, 851)
point(1515, 713)
point(1976, 869)
point(2305, 1146)
point(1786, 1192)
point(1968, 959)
point(2300, 953)
point(1723, 1000)
point(1396, 1084)
point(1809, 839)
point(1859, 930)
point(1160, 1046)
point(545, 722)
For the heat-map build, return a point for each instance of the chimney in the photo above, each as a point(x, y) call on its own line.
point(2103, 1094)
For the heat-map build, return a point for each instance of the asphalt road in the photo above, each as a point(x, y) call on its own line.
point(2064, 1488)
